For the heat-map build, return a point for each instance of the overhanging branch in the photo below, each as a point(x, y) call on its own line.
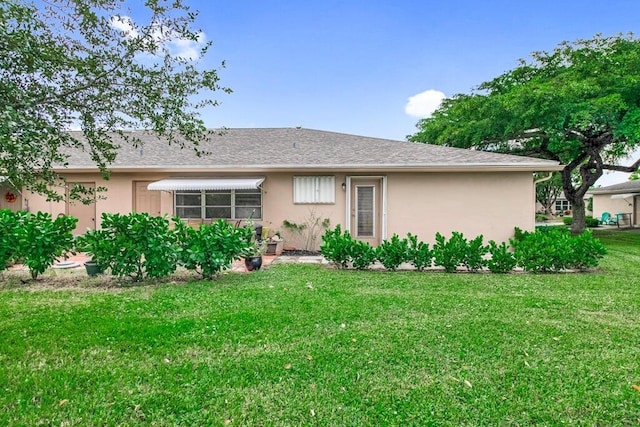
point(634, 167)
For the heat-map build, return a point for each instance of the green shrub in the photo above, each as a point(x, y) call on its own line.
point(584, 251)
point(419, 253)
point(555, 250)
point(474, 254)
point(211, 248)
point(336, 247)
point(8, 237)
point(502, 260)
point(391, 253)
point(362, 254)
point(41, 240)
point(588, 220)
point(541, 218)
point(136, 245)
point(591, 221)
point(458, 252)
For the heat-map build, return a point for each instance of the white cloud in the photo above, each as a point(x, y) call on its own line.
point(124, 24)
point(424, 103)
point(177, 46)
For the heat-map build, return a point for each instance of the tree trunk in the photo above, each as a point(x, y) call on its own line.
point(577, 209)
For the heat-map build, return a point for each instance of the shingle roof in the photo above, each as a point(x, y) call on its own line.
point(624, 187)
point(299, 148)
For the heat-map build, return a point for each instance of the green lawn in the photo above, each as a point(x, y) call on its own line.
point(302, 345)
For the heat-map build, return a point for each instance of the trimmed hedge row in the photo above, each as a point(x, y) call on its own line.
point(551, 250)
point(136, 245)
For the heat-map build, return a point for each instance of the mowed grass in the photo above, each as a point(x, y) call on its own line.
point(303, 345)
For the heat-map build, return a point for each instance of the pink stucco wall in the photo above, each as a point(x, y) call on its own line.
point(488, 203)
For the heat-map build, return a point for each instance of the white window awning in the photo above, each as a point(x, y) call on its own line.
point(206, 184)
point(625, 196)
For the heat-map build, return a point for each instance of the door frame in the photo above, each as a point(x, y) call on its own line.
point(382, 215)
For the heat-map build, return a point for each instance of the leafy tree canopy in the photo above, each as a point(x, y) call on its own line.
point(579, 104)
point(86, 64)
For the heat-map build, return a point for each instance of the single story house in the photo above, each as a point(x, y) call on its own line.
point(623, 198)
point(373, 187)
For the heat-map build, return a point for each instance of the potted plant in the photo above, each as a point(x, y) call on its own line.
point(274, 244)
point(253, 257)
point(90, 243)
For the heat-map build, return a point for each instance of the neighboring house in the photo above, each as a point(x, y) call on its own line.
point(616, 199)
point(562, 206)
point(372, 187)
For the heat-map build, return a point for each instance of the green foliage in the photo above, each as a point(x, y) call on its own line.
point(555, 250)
point(211, 248)
point(588, 220)
point(8, 237)
point(584, 251)
point(336, 247)
point(591, 221)
point(309, 229)
point(541, 218)
point(547, 191)
point(419, 253)
point(391, 253)
point(136, 245)
point(362, 254)
point(67, 64)
point(40, 240)
point(502, 260)
point(577, 105)
point(456, 252)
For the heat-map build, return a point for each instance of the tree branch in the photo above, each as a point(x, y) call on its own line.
point(634, 167)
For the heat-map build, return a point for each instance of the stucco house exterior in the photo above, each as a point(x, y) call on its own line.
point(623, 198)
point(372, 187)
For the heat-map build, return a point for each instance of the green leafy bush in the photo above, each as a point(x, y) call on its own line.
point(419, 253)
point(502, 260)
point(585, 251)
point(362, 254)
point(41, 240)
point(8, 237)
point(556, 250)
point(136, 245)
point(458, 252)
point(541, 218)
point(211, 248)
point(336, 247)
point(474, 254)
point(588, 220)
point(391, 253)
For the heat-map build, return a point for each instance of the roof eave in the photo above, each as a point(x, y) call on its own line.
point(451, 167)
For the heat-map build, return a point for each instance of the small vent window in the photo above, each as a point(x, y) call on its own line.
point(314, 189)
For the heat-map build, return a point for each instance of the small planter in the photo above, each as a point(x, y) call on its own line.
point(93, 269)
point(275, 248)
point(253, 263)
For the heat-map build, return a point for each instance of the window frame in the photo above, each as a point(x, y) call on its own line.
point(317, 182)
point(233, 206)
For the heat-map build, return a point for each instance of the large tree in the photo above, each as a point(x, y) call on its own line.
point(579, 104)
point(548, 189)
point(87, 64)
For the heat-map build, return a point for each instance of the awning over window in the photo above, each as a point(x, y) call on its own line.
point(624, 196)
point(206, 184)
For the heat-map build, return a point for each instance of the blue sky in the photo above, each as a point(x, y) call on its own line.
point(352, 65)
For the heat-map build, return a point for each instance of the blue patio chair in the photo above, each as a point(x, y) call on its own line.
point(607, 219)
